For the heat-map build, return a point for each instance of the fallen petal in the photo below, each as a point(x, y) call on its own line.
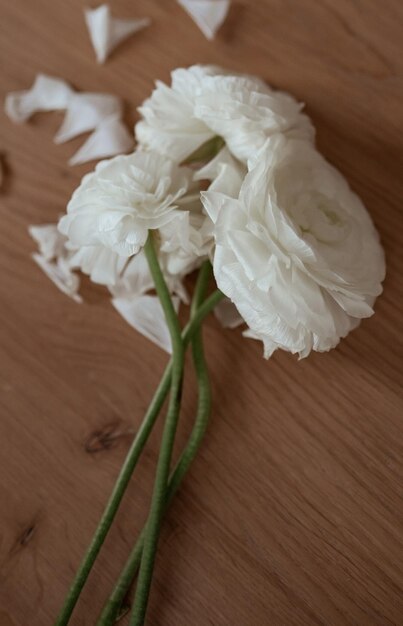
point(145, 314)
point(209, 15)
point(135, 280)
point(46, 94)
point(51, 242)
point(61, 275)
point(111, 137)
point(85, 112)
point(107, 32)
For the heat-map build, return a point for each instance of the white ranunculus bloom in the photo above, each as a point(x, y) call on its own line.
point(297, 252)
point(244, 111)
point(169, 125)
point(111, 212)
point(205, 101)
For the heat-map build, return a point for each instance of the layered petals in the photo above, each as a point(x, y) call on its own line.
point(125, 197)
point(296, 252)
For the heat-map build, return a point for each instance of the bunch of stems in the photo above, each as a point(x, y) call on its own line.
point(167, 480)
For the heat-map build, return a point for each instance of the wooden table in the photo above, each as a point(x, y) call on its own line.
point(293, 511)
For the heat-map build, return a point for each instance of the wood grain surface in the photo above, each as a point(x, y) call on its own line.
point(292, 513)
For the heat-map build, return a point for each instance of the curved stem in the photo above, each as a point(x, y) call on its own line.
point(127, 469)
point(167, 443)
point(115, 499)
point(112, 607)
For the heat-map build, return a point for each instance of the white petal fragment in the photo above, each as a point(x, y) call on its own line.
point(85, 112)
point(51, 242)
point(136, 279)
point(107, 32)
point(111, 137)
point(61, 275)
point(46, 94)
point(209, 15)
point(227, 314)
point(145, 314)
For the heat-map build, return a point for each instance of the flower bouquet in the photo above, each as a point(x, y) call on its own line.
point(225, 181)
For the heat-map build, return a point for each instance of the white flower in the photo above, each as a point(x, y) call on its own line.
point(169, 125)
point(205, 101)
point(297, 252)
point(244, 111)
point(116, 205)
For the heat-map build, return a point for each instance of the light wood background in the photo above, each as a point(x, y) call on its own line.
point(293, 512)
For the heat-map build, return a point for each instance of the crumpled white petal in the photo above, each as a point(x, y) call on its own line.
point(225, 173)
point(46, 94)
point(50, 242)
point(169, 125)
point(136, 279)
point(111, 137)
point(61, 275)
point(185, 242)
point(101, 265)
point(85, 111)
point(227, 314)
point(99, 112)
point(209, 15)
point(107, 32)
point(145, 314)
point(53, 259)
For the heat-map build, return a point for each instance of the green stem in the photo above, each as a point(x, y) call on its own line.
point(127, 469)
point(168, 438)
point(112, 608)
point(206, 151)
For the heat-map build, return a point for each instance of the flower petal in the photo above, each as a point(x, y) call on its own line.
point(225, 173)
point(145, 314)
point(136, 279)
point(46, 94)
point(50, 241)
point(111, 137)
point(61, 275)
point(209, 15)
point(85, 112)
point(102, 265)
point(107, 32)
